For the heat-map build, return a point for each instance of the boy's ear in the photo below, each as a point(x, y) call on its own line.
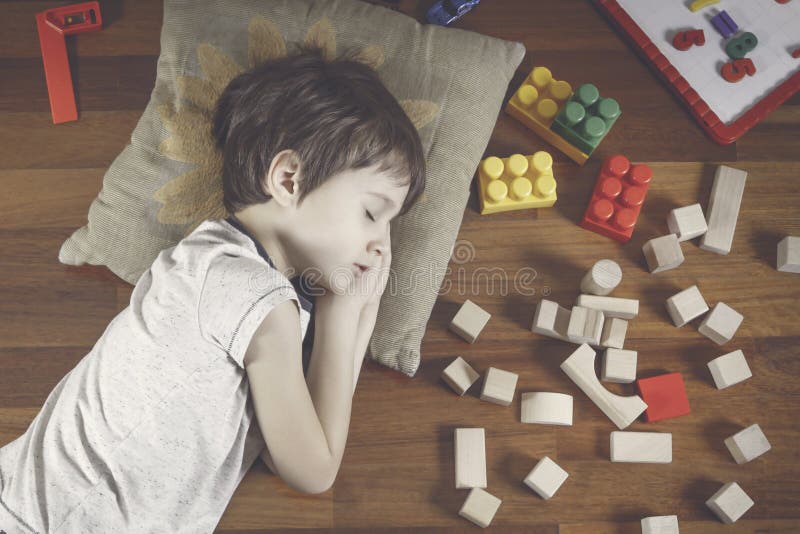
point(283, 178)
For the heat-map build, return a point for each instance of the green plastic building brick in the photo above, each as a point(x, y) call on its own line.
point(586, 118)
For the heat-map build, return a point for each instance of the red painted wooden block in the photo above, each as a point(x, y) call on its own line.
point(665, 396)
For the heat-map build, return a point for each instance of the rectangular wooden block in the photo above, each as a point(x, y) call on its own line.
point(610, 306)
point(470, 445)
point(660, 524)
point(723, 209)
point(614, 332)
point(585, 325)
point(641, 447)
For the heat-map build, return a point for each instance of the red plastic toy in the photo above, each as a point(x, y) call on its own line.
point(665, 396)
point(53, 26)
point(617, 198)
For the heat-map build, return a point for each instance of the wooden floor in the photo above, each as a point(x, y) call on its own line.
point(398, 471)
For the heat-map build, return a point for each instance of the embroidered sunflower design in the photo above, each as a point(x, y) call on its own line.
point(195, 196)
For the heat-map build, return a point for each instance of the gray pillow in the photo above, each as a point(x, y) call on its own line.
point(166, 181)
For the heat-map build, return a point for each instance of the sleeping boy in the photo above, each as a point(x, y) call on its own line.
point(154, 429)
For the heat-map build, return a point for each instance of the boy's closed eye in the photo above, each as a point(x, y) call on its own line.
point(369, 215)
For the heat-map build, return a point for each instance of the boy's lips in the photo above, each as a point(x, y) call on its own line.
point(360, 268)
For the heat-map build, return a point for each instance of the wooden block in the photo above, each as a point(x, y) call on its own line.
point(789, 254)
point(546, 408)
point(585, 325)
point(580, 368)
point(687, 222)
point(660, 524)
point(614, 331)
point(723, 209)
point(551, 320)
point(480, 507)
point(459, 375)
point(729, 369)
point(721, 324)
point(665, 396)
point(499, 386)
point(641, 447)
point(602, 278)
point(663, 253)
point(619, 366)
point(546, 477)
point(730, 503)
point(610, 306)
point(469, 321)
point(748, 444)
point(686, 305)
point(470, 458)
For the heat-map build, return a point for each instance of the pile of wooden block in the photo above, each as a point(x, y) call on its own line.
point(600, 321)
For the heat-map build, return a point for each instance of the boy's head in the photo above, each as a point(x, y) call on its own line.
point(310, 146)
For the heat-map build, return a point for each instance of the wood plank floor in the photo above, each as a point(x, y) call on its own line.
point(398, 470)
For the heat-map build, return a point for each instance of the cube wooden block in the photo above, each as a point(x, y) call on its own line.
point(730, 503)
point(721, 324)
point(641, 447)
point(686, 305)
point(687, 222)
point(460, 375)
point(585, 325)
point(619, 366)
point(723, 209)
point(729, 369)
point(602, 278)
point(789, 254)
point(470, 450)
point(660, 524)
point(480, 507)
point(614, 332)
point(469, 321)
point(663, 253)
point(748, 444)
point(499, 386)
point(546, 477)
point(546, 408)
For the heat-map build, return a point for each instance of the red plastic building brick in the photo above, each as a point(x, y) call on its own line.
point(665, 396)
point(617, 198)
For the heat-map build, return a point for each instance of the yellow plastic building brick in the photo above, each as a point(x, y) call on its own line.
point(516, 182)
point(537, 102)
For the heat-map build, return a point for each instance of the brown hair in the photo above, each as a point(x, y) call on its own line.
point(335, 114)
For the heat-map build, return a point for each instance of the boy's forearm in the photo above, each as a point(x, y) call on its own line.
point(366, 325)
point(330, 375)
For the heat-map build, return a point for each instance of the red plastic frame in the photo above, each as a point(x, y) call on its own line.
point(53, 26)
point(720, 132)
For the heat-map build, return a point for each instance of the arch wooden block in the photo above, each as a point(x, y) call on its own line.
point(546, 408)
point(580, 368)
